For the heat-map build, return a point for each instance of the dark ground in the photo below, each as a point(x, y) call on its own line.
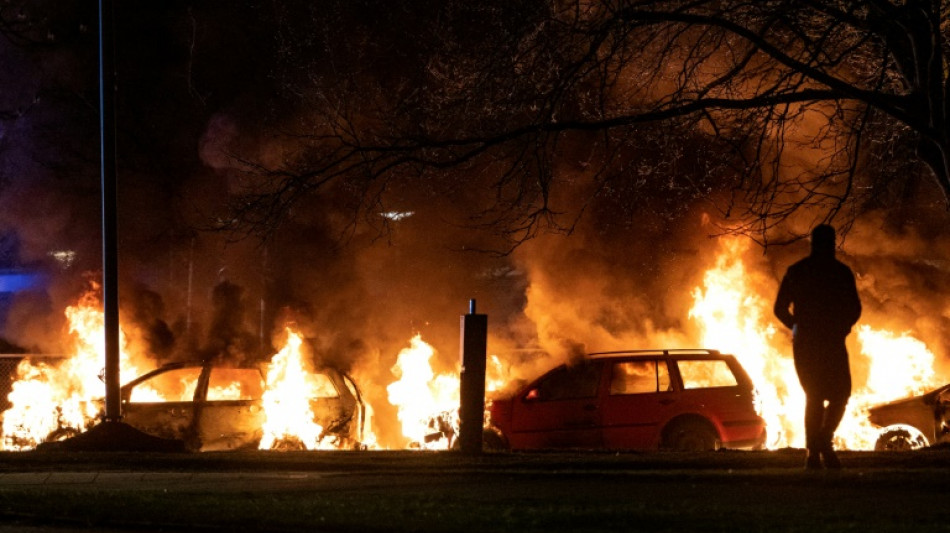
point(432, 491)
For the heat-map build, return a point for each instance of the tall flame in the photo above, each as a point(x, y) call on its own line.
point(734, 316)
point(290, 386)
point(419, 394)
point(48, 396)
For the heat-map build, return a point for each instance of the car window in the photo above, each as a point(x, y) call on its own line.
point(176, 385)
point(639, 377)
point(323, 387)
point(569, 383)
point(706, 373)
point(235, 384)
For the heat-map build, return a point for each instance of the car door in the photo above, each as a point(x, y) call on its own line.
point(639, 399)
point(229, 413)
point(162, 403)
point(559, 410)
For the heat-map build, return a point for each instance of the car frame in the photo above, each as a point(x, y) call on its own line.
point(223, 424)
point(913, 422)
point(675, 414)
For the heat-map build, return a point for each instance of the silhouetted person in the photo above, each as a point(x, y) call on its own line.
point(818, 301)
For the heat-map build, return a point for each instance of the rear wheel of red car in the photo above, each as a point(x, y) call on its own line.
point(691, 436)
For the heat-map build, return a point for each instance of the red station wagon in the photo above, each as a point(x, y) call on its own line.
point(634, 400)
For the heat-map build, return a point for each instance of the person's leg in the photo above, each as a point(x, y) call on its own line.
point(814, 418)
point(833, 414)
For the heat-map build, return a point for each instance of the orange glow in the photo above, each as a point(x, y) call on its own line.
point(419, 394)
point(734, 316)
point(290, 385)
point(46, 397)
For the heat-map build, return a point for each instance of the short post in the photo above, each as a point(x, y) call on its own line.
point(474, 340)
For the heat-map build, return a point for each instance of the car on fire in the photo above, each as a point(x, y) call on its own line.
point(685, 400)
point(219, 408)
point(913, 422)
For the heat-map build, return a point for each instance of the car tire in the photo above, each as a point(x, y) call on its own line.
point(493, 441)
point(900, 439)
point(691, 436)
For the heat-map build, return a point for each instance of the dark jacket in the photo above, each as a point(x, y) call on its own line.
point(818, 298)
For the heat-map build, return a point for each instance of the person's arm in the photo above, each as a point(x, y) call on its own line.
point(783, 303)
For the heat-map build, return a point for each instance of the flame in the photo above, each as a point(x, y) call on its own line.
point(47, 397)
point(734, 316)
point(420, 395)
point(290, 386)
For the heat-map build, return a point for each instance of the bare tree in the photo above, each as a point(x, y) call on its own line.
point(770, 108)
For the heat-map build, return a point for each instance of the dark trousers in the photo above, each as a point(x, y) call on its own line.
point(822, 420)
point(822, 366)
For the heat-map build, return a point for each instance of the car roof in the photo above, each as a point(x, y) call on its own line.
point(703, 353)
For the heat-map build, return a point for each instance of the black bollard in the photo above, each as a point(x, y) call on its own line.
point(474, 340)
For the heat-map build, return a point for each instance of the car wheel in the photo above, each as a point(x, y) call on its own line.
point(900, 438)
point(691, 436)
point(493, 441)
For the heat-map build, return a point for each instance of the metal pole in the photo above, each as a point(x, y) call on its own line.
point(110, 255)
point(474, 337)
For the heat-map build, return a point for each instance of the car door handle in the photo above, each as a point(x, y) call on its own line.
point(667, 401)
point(590, 407)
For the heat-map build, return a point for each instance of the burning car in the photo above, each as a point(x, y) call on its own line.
point(914, 422)
point(642, 399)
point(219, 408)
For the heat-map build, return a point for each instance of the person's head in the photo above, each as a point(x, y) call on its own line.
point(823, 241)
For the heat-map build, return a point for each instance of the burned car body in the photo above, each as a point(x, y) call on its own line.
point(914, 422)
point(217, 408)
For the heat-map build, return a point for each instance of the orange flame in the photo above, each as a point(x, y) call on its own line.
point(290, 385)
point(49, 397)
point(734, 316)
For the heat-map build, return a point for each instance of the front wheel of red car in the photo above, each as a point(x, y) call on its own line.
point(691, 436)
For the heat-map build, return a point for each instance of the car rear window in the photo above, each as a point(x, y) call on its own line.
point(639, 377)
point(706, 373)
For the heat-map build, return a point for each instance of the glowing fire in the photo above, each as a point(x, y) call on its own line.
point(49, 397)
point(52, 401)
point(427, 402)
point(734, 316)
point(421, 396)
point(291, 384)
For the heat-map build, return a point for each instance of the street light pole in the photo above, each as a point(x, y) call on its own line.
point(110, 254)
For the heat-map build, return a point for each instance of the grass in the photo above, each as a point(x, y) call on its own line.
point(539, 492)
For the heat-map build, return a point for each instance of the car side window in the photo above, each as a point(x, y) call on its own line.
point(569, 383)
point(706, 373)
point(639, 377)
point(176, 385)
point(323, 387)
point(235, 384)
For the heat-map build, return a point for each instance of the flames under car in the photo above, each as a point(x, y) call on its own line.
point(914, 422)
point(219, 408)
